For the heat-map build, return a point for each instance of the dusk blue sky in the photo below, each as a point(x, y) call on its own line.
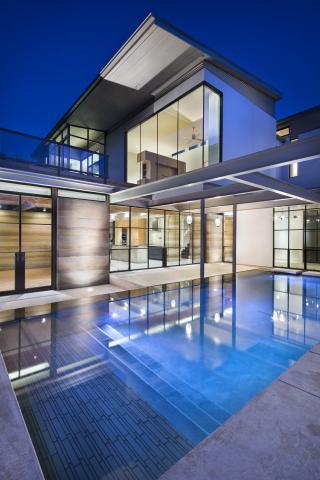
point(50, 51)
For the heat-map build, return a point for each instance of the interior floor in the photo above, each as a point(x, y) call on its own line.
point(118, 282)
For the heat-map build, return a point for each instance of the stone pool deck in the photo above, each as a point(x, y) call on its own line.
point(276, 436)
point(18, 459)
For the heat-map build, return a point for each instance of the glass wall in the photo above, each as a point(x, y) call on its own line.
point(25, 227)
point(289, 237)
point(182, 137)
point(149, 238)
point(312, 238)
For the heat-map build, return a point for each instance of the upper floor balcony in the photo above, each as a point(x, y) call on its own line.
point(26, 152)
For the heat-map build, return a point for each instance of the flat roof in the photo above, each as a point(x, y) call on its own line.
point(155, 53)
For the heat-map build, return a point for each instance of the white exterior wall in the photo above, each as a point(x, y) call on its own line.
point(255, 237)
point(248, 116)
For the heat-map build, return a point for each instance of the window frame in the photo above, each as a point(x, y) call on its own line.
point(156, 113)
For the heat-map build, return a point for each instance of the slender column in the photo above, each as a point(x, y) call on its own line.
point(234, 240)
point(202, 237)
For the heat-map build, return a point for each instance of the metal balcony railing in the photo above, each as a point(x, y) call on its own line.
point(22, 151)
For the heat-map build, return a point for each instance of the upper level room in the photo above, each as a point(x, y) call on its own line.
point(165, 104)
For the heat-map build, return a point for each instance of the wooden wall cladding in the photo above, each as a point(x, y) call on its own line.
point(82, 243)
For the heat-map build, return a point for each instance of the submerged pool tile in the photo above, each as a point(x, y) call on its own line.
point(100, 441)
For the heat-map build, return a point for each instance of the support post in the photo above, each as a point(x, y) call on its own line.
point(202, 238)
point(234, 240)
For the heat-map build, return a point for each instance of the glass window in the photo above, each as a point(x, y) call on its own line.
point(133, 155)
point(295, 239)
point(119, 259)
point(9, 208)
point(296, 259)
point(138, 258)
point(36, 210)
point(168, 142)
point(148, 155)
point(139, 217)
point(281, 239)
point(182, 137)
point(296, 219)
point(281, 219)
point(211, 127)
point(190, 131)
point(281, 258)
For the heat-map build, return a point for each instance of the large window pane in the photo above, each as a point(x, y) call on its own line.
point(133, 155)
point(281, 258)
point(296, 219)
point(281, 219)
point(295, 239)
point(148, 156)
point(138, 258)
point(168, 143)
point(281, 239)
point(211, 127)
point(36, 210)
point(9, 208)
point(296, 259)
point(119, 259)
point(190, 130)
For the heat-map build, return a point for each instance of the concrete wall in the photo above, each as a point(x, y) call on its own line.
point(248, 119)
point(255, 237)
point(82, 243)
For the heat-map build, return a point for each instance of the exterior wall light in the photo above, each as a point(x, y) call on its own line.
point(217, 221)
point(189, 219)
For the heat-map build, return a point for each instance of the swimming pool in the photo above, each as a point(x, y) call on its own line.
point(123, 386)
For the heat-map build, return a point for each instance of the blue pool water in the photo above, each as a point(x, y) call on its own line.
point(123, 386)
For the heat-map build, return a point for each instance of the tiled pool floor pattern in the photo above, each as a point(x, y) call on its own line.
point(99, 429)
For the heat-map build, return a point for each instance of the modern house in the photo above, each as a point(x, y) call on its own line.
point(172, 156)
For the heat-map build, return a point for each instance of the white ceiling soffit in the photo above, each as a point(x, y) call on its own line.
point(145, 58)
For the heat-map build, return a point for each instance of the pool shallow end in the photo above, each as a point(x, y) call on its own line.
point(276, 435)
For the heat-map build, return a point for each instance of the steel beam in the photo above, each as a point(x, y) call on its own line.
point(231, 189)
point(301, 151)
point(280, 187)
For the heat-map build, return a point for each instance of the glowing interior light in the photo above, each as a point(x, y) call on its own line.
point(189, 330)
point(125, 306)
point(217, 317)
point(43, 320)
point(90, 289)
point(281, 317)
point(189, 219)
point(217, 221)
point(44, 210)
point(173, 303)
point(114, 315)
point(142, 311)
point(275, 315)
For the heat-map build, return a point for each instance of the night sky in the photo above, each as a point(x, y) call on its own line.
point(50, 51)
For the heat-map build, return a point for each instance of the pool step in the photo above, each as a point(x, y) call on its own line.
point(198, 416)
point(216, 412)
point(167, 384)
point(181, 422)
